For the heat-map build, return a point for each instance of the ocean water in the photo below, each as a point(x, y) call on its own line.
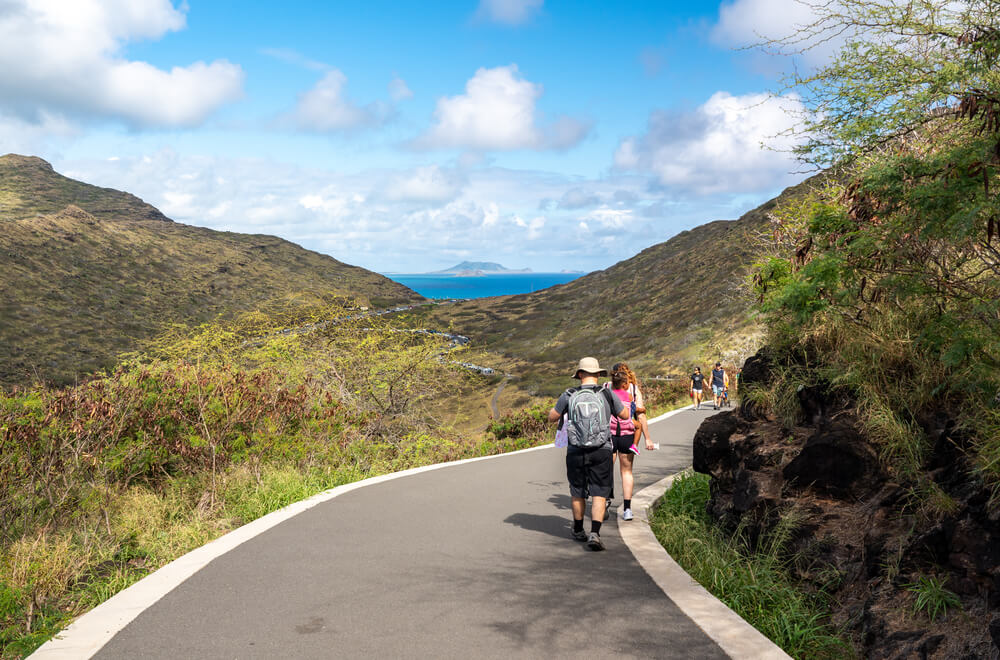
point(500, 284)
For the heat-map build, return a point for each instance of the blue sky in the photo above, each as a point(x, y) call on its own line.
point(404, 137)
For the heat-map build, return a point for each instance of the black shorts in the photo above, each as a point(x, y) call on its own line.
point(589, 471)
point(621, 443)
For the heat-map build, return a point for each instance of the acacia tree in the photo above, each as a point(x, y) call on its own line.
point(904, 235)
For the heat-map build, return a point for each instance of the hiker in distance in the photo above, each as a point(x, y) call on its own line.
point(720, 381)
point(589, 409)
point(697, 387)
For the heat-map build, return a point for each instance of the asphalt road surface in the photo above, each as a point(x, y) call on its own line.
point(468, 561)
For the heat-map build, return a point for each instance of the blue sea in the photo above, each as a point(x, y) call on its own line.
point(500, 284)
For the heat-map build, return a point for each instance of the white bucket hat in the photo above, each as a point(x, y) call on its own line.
point(591, 366)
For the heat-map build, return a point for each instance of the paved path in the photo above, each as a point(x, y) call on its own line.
point(473, 560)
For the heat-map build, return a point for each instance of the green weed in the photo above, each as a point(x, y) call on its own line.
point(756, 586)
point(932, 598)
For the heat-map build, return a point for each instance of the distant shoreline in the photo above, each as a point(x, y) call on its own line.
point(465, 287)
point(511, 273)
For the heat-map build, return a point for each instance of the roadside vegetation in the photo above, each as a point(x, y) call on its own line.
point(884, 283)
point(756, 586)
point(880, 286)
point(214, 426)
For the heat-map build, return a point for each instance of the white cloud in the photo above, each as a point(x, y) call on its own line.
point(508, 12)
point(325, 108)
point(496, 113)
point(718, 147)
point(612, 219)
point(20, 136)
point(414, 219)
point(430, 184)
point(294, 57)
point(746, 23)
point(534, 226)
point(398, 90)
point(65, 58)
point(577, 198)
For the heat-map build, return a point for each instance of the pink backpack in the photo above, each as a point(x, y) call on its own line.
point(623, 426)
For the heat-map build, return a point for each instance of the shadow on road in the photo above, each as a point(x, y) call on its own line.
point(554, 525)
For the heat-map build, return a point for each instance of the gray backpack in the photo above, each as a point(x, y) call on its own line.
point(589, 417)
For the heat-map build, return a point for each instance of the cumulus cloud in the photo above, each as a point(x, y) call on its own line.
point(497, 112)
point(411, 219)
point(65, 58)
point(508, 12)
point(325, 108)
point(744, 23)
point(717, 147)
point(429, 184)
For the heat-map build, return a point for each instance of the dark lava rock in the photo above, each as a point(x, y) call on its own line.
point(712, 451)
point(756, 372)
point(837, 461)
point(757, 368)
point(813, 401)
point(995, 631)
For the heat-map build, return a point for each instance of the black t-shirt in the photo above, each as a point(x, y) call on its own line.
point(696, 380)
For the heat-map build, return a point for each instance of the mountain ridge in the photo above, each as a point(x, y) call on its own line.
point(675, 304)
point(87, 273)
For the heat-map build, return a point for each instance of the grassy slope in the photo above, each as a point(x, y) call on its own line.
point(673, 303)
point(88, 272)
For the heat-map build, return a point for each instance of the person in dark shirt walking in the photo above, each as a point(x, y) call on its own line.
point(589, 409)
point(720, 381)
point(697, 384)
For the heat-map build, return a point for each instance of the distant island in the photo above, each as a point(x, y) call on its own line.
point(477, 269)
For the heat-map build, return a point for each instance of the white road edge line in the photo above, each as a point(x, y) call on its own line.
point(91, 631)
point(726, 628)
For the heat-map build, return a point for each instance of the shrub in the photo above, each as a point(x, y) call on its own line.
point(525, 427)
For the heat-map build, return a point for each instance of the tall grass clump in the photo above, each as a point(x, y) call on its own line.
point(755, 586)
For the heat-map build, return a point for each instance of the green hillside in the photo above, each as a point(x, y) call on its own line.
point(89, 272)
point(672, 303)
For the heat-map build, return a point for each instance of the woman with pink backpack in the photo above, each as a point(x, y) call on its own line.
point(624, 433)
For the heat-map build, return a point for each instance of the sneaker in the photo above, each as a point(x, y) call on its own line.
point(634, 449)
point(594, 542)
point(580, 536)
point(627, 514)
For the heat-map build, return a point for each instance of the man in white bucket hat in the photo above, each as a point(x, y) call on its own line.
point(588, 409)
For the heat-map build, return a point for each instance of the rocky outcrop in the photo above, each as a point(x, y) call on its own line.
point(864, 535)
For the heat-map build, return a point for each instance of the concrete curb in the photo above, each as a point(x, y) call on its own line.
point(726, 628)
point(91, 631)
